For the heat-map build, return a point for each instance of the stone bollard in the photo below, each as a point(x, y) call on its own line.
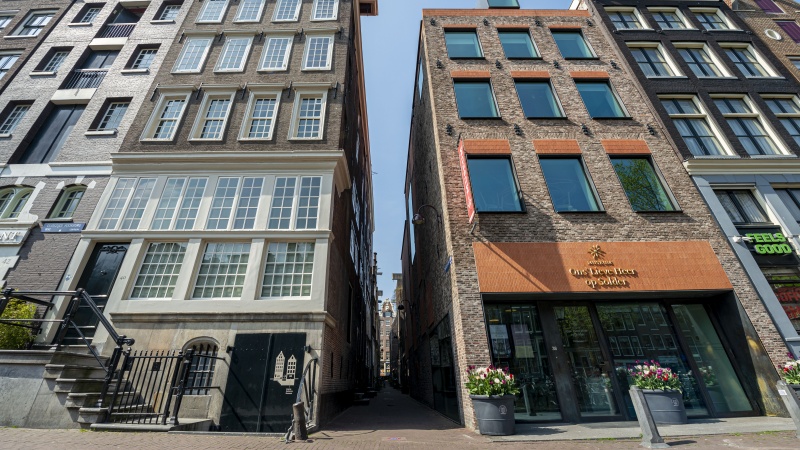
point(650, 436)
point(792, 403)
point(300, 431)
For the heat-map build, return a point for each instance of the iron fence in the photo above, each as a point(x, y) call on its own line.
point(85, 79)
point(116, 30)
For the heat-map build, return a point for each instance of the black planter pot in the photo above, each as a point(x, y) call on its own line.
point(495, 414)
point(666, 406)
point(796, 389)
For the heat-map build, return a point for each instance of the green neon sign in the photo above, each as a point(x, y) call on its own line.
point(770, 243)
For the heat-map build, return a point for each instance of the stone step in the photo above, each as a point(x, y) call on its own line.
point(184, 425)
point(92, 399)
point(67, 357)
point(92, 415)
point(66, 385)
point(55, 371)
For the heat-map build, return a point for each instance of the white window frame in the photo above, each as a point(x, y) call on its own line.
point(771, 73)
point(5, 19)
point(96, 9)
point(329, 57)
point(21, 26)
point(180, 204)
point(169, 7)
point(314, 17)
point(235, 204)
point(208, 5)
point(754, 113)
point(296, 11)
point(723, 69)
point(138, 58)
point(8, 69)
point(199, 262)
point(263, 266)
point(10, 121)
point(17, 203)
point(301, 93)
point(228, 38)
point(239, 11)
point(286, 56)
point(686, 24)
point(295, 202)
point(717, 12)
point(126, 204)
point(226, 93)
point(258, 92)
point(784, 115)
point(47, 66)
point(107, 113)
point(703, 114)
point(63, 198)
point(673, 66)
point(209, 38)
point(639, 17)
point(175, 275)
point(795, 60)
point(155, 117)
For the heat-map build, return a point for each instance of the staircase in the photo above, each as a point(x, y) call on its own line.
point(79, 378)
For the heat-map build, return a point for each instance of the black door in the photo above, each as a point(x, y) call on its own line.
point(98, 280)
point(264, 373)
point(100, 59)
point(47, 141)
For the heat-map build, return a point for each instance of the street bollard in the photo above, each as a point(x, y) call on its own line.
point(792, 403)
point(300, 431)
point(650, 436)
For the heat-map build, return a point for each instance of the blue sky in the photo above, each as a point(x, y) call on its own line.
point(390, 52)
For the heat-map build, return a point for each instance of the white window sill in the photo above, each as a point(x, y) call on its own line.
point(727, 29)
point(5, 136)
point(717, 157)
point(284, 69)
point(667, 77)
point(79, 24)
point(157, 140)
point(324, 20)
point(266, 139)
point(229, 70)
point(292, 138)
point(208, 22)
point(181, 72)
point(634, 29)
point(718, 78)
point(765, 78)
point(315, 69)
point(285, 21)
point(58, 219)
point(20, 37)
point(162, 22)
point(283, 299)
point(100, 133)
point(246, 21)
point(204, 140)
point(43, 74)
point(134, 71)
point(781, 156)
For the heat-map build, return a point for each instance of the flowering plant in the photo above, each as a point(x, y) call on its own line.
point(791, 372)
point(709, 377)
point(653, 376)
point(490, 381)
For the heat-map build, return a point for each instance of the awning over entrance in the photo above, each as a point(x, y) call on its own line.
point(553, 267)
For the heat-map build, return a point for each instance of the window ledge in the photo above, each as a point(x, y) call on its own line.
point(502, 212)
point(726, 30)
point(612, 118)
point(101, 133)
point(324, 20)
point(5, 136)
point(185, 72)
point(204, 140)
point(272, 70)
point(43, 74)
point(209, 22)
point(56, 220)
point(765, 78)
point(548, 118)
point(674, 211)
point(157, 141)
point(600, 211)
point(79, 24)
point(229, 70)
point(162, 22)
point(634, 29)
point(20, 37)
point(773, 156)
point(255, 139)
point(524, 58)
point(463, 58)
point(718, 78)
point(134, 71)
point(581, 58)
point(314, 69)
point(668, 77)
point(297, 139)
point(716, 157)
point(481, 118)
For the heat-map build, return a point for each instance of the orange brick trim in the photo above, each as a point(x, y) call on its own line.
point(528, 74)
point(556, 147)
point(487, 147)
point(596, 74)
point(482, 74)
point(511, 26)
point(505, 13)
point(625, 146)
point(459, 26)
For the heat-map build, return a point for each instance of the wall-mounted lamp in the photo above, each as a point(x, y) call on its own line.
point(498, 64)
point(486, 22)
point(739, 239)
point(449, 129)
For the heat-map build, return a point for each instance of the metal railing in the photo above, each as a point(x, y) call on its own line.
point(85, 79)
point(307, 395)
point(116, 30)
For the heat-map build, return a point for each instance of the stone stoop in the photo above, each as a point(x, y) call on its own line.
point(184, 425)
point(78, 377)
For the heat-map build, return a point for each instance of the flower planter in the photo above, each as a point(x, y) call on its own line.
point(666, 406)
point(495, 414)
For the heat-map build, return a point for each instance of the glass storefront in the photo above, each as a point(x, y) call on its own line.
point(571, 359)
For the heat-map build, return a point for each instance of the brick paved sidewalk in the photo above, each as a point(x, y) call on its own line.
point(391, 421)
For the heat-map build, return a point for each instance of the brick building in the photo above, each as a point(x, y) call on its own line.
point(387, 320)
point(237, 220)
point(563, 237)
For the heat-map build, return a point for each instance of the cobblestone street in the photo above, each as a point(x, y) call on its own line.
point(391, 421)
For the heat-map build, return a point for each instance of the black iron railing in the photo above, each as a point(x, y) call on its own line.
point(116, 30)
point(85, 79)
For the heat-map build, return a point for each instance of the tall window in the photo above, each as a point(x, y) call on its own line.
point(250, 10)
point(572, 44)
point(287, 10)
point(7, 60)
point(222, 270)
point(192, 55)
point(211, 121)
point(699, 59)
point(741, 206)
point(651, 60)
point(747, 125)
point(89, 13)
point(462, 44)
point(130, 195)
point(4, 21)
point(259, 120)
point(600, 100)
point(711, 19)
point(13, 118)
point(179, 204)
point(693, 125)
point(791, 199)
point(325, 10)
point(169, 12)
point(34, 23)
point(747, 61)
point(288, 269)
point(54, 60)
point(144, 58)
point(234, 54)
point(494, 187)
point(537, 99)
point(68, 201)
point(295, 198)
point(212, 11)
point(625, 19)
point(668, 18)
point(517, 44)
point(201, 372)
point(569, 185)
point(787, 109)
point(113, 115)
point(642, 184)
point(318, 53)
point(235, 203)
point(308, 115)
point(158, 272)
point(276, 53)
point(13, 200)
point(51, 136)
point(475, 99)
point(166, 116)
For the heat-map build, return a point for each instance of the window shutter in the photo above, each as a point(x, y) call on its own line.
point(768, 6)
point(792, 29)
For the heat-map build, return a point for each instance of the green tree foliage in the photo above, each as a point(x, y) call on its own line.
point(642, 185)
point(16, 338)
